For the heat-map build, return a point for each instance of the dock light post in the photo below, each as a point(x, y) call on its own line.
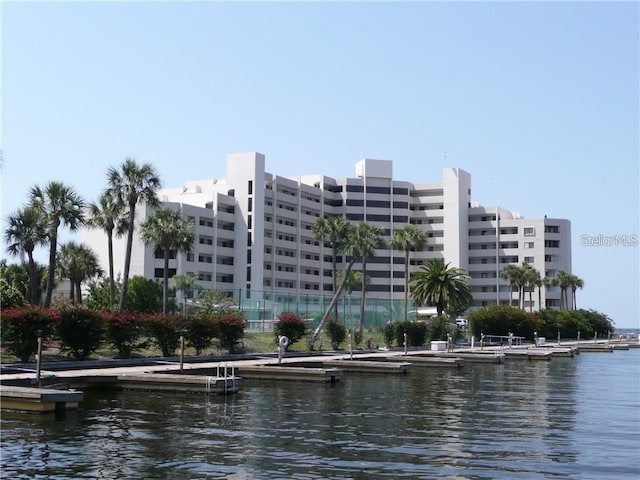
point(535, 338)
point(510, 339)
point(558, 337)
point(181, 352)
point(578, 336)
point(595, 337)
point(406, 344)
point(481, 341)
point(350, 345)
point(39, 358)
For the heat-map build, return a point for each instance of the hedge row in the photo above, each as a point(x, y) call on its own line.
point(501, 320)
point(82, 331)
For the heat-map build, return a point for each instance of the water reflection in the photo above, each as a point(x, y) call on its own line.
point(518, 420)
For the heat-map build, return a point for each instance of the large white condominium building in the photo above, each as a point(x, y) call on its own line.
point(254, 232)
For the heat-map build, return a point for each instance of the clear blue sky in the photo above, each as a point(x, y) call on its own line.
point(538, 101)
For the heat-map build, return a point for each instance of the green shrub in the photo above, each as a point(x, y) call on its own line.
point(80, 331)
point(291, 326)
point(389, 333)
point(439, 328)
point(124, 331)
point(416, 333)
point(202, 328)
point(21, 327)
point(10, 296)
point(230, 330)
point(502, 319)
point(165, 331)
point(337, 333)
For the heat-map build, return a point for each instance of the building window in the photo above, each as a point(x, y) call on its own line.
point(205, 240)
point(250, 204)
point(529, 231)
point(528, 259)
point(250, 187)
point(159, 272)
point(528, 244)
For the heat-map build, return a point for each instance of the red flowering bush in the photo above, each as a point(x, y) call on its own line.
point(165, 331)
point(230, 330)
point(21, 327)
point(291, 325)
point(201, 330)
point(124, 331)
point(80, 331)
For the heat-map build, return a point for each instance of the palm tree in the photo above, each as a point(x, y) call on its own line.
point(334, 230)
point(26, 230)
point(60, 205)
point(168, 230)
point(439, 284)
point(562, 279)
point(575, 283)
point(348, 247)
point(78, 263)
point(366, 239)
point(109, 216)
point(407, 239)
point(128, 185)
point(185, 284)
point(513, 275)
point(532, 280)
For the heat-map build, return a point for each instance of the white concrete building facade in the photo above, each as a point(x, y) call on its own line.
point(254, 232)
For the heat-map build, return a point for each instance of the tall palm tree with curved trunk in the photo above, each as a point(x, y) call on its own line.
point(347, 247)
point(110, 216)
point(78, 263)
point(333, 229)
point(366, 239)
point(26, 229)
point(407, 239)
point(130, 184)
point(168, 230)
point(439, 284)
point(60, 205)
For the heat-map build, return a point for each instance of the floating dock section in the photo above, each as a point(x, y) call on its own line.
point(419, 361)
point(368, 366)
point(288, 372)
point(164, 382)
point(31, 399)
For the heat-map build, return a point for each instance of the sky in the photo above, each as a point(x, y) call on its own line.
point(539, 101)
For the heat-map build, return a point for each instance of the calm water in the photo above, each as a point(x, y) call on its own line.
point(569, 418)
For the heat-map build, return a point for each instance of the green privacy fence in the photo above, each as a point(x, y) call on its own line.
point(262, 307)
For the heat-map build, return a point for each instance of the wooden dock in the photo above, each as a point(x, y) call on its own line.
point(32, 399)
point(163, 382)
point(419, 361)
point(595, 347)
point(289, 372)
point(529, 354)
point(368, 366)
